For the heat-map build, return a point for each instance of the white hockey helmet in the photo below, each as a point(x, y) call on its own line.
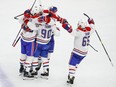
point(81, 24)
point(36, 10)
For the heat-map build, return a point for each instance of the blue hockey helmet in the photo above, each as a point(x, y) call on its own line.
point(53, 9)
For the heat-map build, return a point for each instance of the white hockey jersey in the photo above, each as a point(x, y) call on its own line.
point(81, 40)
point(28, 36)
point(45, 31)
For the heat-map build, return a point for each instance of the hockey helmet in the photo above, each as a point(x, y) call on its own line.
point(81, 24)
point(53, 9)
point(36, 10)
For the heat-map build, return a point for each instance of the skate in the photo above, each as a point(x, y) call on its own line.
point(45, 75)
point(34, 71)
point(21, 69)
point(27, 76)
point(70, 81)
point(35, 74)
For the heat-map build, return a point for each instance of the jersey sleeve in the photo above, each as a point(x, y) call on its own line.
point(31, 25)
point(92, 26)
point(56, 31)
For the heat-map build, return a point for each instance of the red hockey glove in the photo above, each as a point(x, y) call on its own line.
point(67, 27)
point(27, 13)
point(91, 21)
point(26, 28)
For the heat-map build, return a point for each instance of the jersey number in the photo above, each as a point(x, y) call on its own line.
point(46, 33)
point(85, 41)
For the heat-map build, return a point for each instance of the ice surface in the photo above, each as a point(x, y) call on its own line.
point(94, 71)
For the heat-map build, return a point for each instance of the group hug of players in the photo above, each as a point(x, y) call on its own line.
point(37, 41)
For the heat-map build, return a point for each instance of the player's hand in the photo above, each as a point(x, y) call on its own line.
point(67, 27)
point(91, 21)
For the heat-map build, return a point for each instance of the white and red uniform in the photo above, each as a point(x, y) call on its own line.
point(45, 30)
point(81, 40)
point(28, 36)
point(81, 43)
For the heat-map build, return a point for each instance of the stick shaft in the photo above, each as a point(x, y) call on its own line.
point(16, 36)
point(16, 17)
point(93, 47)
point(16, 42)
point(101, 43)
point(104, 47)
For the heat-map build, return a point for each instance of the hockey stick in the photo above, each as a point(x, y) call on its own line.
point(16, 37)
point(16, 17)
point(16, 42)
point(93, 47)
point(101, 43)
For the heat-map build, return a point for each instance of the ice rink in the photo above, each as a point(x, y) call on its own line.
point(94, 71)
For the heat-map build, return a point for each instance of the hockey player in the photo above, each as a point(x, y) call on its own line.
point(46, 29)
point(82, 38)
point(52, 9)
point(28, 36)
point(51, 13)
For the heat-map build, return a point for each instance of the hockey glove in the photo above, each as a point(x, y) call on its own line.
point(27, 13)
point(26, 28)
point(67, 27)
point(91, 21)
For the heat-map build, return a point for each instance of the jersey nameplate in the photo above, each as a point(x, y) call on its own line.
point(47, 26)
